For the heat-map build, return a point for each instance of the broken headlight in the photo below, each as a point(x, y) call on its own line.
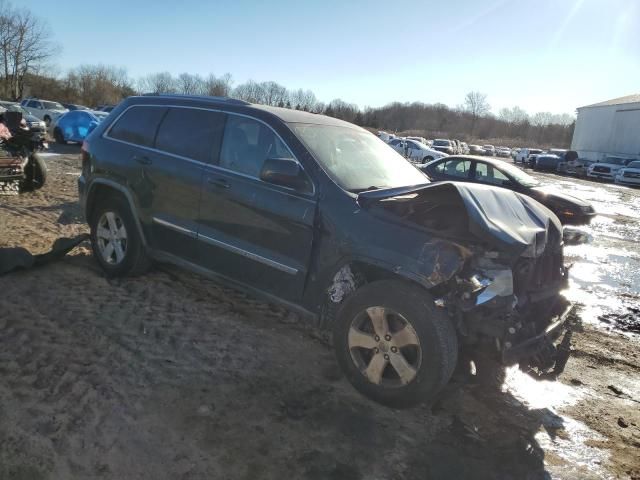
point(492, 283)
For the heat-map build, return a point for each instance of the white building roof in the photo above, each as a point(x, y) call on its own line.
point(635, 98)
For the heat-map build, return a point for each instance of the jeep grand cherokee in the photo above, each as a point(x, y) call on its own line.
point(321, 215)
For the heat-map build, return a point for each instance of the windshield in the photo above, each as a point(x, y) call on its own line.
point(52, 106)
point(356, 159)
point(441, 143)
point(519, 176)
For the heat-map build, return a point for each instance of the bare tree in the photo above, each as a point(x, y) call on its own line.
point(161, 82)
point(475, 103)
point(218, 86)
point(189, 84)
point(24, 46)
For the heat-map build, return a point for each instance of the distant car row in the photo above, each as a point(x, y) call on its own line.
point(48, 111)
point(66, 122)
point(624, 171)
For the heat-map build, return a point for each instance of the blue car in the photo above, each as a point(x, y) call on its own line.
point(75, 125)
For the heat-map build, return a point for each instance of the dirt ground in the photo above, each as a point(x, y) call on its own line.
point(171, 376)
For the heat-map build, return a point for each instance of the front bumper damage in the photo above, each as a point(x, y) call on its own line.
point(499, 318)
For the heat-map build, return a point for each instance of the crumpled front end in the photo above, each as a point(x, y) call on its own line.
point(504, 293)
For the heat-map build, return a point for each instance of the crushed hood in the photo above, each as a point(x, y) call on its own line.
point(508, 221)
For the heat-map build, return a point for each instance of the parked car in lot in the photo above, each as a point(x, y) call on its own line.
point(629, 175)
point(419, 139)
point(43, 109)
point(514, 152)
point(607, 168)
point(444, 145)
point(524, 154)
point(503, 152)
point(569, 209)
point(416, 152)
point(489, 150)
point(579, 166)
point(386, 137)
point(476, 150)
point(465, 148)
point(546, 162)
point(318, 214)
point(74, 126)
point(34, 123)
point(73, 106)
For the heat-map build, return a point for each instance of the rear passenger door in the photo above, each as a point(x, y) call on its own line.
point(251, 231)
point(167, 148)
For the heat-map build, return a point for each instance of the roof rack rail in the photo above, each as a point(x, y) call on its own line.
point(198, 97)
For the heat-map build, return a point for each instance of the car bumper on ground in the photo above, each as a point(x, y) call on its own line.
point(551, 346)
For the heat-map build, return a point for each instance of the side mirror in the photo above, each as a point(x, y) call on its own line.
point(508, 184)
point(92, 127)
point(285, 172)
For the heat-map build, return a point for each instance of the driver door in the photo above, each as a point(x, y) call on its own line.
point(254, 232)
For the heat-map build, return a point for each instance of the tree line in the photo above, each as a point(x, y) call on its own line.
point(26, 50)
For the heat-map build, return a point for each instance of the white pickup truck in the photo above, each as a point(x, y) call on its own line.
point(523, 155)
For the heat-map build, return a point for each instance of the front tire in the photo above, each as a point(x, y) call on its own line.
point(393, 344)
point(117, 245)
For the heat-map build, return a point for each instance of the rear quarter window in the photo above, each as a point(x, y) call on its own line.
point(138, 125)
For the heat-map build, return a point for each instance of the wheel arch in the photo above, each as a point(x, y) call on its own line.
point(352, 273)
point(102, 188)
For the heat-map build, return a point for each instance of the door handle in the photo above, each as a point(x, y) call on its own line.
point(143, 160)
point(218, 182)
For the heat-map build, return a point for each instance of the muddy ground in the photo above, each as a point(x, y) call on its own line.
point(170, 376)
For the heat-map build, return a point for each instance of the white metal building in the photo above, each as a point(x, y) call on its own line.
point(610, 128)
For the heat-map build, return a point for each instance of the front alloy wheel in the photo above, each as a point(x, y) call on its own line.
point(384, 347)
point(393, 344)
point(111, 236)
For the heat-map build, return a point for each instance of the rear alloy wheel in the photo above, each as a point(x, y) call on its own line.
point(111, 238)
point(117, 245)
point(393, 344)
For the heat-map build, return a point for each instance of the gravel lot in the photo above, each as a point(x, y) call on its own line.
point(171, 376)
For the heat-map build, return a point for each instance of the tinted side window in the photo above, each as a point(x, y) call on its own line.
point(190, 133)
point(138, 125)
point(247, 144)
point(457, 168)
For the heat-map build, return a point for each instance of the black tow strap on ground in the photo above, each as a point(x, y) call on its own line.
point(18, 258)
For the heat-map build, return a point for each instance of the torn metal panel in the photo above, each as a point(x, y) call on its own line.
point(343, 283)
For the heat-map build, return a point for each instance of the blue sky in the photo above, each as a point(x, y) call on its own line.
point(543, 55)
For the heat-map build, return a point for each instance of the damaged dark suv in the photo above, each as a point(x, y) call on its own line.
point(322, 216)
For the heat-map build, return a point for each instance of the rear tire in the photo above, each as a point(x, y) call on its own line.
point(117, 245)
point(35, 173)
point(408, 364)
